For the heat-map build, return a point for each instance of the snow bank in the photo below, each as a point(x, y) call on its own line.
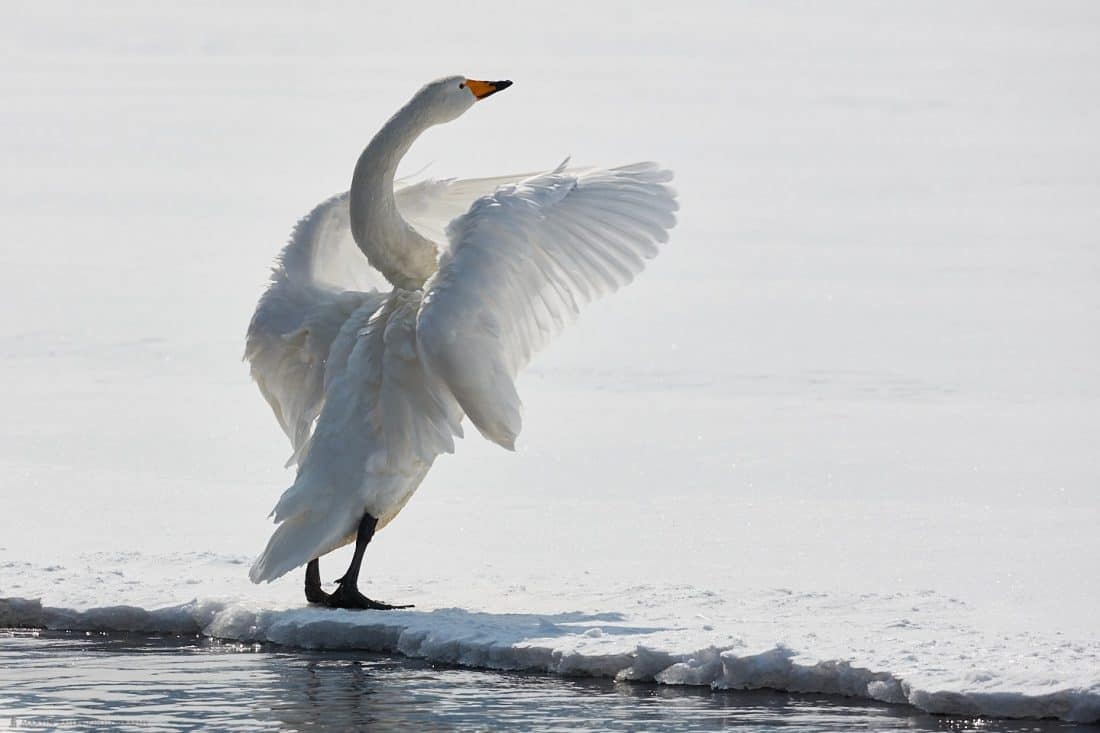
point(601, 645)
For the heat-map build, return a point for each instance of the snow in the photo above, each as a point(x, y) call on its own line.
point(841, 436)
point(889, 659)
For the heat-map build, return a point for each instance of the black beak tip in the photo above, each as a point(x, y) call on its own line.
point(502, 84)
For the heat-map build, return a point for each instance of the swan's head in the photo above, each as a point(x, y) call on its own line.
point(447, 98)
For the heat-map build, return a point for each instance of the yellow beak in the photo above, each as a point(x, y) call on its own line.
point(482, 89)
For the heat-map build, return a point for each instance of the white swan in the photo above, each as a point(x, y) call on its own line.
point(369, 382)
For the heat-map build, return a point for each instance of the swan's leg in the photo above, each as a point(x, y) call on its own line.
point(314, 594)
point(348, 595)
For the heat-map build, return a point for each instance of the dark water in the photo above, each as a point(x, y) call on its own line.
point(75, 681)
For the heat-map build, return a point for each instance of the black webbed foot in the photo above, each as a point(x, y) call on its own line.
point(348, 596)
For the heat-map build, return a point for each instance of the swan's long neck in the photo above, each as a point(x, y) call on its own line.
point(392, 246)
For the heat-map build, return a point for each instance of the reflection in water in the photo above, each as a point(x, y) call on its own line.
point(126, 682)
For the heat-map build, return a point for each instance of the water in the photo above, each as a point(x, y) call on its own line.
point(130, 682)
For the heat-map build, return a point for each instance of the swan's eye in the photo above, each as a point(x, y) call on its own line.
point(462, 85)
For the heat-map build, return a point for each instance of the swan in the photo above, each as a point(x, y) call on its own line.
point(397, 309)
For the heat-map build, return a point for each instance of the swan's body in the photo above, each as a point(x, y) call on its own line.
point(371, 383)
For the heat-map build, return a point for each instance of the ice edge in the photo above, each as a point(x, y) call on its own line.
point(510, 642)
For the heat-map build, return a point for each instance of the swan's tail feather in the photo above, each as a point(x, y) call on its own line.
point(296, 541)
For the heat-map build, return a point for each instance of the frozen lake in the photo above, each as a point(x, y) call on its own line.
point(171, 683)
point(841, 435)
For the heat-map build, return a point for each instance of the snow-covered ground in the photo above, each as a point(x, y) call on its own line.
point(842, 436)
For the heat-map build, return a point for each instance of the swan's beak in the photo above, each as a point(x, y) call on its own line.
point(482, 89)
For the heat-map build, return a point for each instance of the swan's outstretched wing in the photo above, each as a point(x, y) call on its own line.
point(323, 252)
point(319, 280)
point(431, 204)
point(520, 265)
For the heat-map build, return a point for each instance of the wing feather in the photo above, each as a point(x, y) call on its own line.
point(521, 263)
point(431, 204)
point(318, 281)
